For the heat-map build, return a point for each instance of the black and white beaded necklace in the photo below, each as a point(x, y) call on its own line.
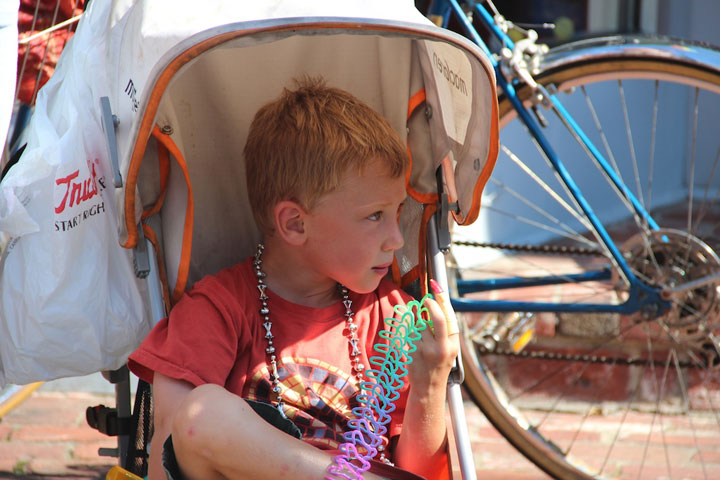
point(271, 359)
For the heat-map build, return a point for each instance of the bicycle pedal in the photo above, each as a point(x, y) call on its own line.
point(519, 340)
point(522, 330)
point(510, 332)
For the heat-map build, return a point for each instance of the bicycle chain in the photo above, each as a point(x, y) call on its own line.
point(568, 357)
point(546, 249)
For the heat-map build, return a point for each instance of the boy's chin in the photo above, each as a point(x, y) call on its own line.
point(364, 287)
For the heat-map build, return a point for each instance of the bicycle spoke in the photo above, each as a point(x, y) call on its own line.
point(706, 205)
point(592, 405)
point(629, 138)
point(553, 194)
point(683, 390)
point(620, 426)
point(573, 233)
point(606, 143)
point(601, 131)
point(631, 144)
point(691, 175)
point(651, 156)
point(651, 162)
point(662, 427)
point(547, 228)
point(651, 356)
point(641, 222)
point(622, 188)
point(550, 375)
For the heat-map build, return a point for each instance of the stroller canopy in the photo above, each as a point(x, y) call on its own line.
point(203, 84)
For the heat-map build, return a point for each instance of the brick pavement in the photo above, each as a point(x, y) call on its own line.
point(46, 438)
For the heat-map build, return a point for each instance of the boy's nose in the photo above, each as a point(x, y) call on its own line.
point(395, 238)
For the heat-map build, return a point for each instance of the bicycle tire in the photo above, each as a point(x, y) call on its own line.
point(587, 361)
point(11, 396)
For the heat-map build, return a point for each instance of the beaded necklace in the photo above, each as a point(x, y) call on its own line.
point(357, 367)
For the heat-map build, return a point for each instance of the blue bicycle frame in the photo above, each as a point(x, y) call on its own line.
point(642, 297)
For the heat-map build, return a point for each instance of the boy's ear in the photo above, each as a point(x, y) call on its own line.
point(289, 219)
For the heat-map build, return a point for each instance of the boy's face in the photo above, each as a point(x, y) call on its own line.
point(353, 231)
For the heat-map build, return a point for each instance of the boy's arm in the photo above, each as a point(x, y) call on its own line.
point(168, 394)
point(217, 435)
point(229, 440)
point(423, 439)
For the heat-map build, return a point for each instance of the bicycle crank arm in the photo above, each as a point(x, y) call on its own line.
point(668, 293)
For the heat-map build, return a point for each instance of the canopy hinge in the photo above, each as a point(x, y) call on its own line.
point(109, 123)
point(443, 213)
point(141, 259)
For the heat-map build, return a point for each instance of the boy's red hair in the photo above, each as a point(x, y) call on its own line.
point(300, 145)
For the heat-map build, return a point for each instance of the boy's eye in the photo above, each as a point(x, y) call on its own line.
point(375, 216)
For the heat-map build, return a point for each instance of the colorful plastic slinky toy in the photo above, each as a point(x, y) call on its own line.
point(365, 436)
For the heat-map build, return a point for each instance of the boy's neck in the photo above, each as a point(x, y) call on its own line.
point(288, 276)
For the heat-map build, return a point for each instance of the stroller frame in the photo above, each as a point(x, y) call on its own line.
point(435, 253)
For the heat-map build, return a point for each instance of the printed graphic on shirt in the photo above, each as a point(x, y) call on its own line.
point(318, 397)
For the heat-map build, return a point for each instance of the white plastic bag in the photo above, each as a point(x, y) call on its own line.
point(70, 302)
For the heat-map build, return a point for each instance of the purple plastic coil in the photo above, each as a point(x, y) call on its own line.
point(366, 435)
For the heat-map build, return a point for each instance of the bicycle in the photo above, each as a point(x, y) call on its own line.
point(630, 333)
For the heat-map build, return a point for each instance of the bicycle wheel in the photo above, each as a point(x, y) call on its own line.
point(13, 395)
point(606, 394)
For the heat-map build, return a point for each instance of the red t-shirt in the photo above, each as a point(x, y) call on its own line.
point(215, 334)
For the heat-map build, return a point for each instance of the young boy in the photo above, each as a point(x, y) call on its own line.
point(287, 333)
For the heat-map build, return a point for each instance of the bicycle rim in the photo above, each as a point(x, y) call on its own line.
point(606, 395)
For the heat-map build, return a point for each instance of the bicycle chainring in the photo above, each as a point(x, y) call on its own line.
point(669, 258)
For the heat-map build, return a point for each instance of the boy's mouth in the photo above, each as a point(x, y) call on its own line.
point(382, 269)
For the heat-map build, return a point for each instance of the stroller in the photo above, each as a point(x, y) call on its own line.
point(151, 104)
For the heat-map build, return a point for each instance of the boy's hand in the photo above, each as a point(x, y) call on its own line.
point(435, 354)
point(422, 444)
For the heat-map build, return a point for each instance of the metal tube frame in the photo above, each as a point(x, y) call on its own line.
point(454, 395)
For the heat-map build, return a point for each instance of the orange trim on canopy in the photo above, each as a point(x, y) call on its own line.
point(184, 266)
point(415, 101)
point(164, 167)
point(482, 180)
point(162, 81)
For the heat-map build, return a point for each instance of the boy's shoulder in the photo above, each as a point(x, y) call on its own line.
point(230, 280)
